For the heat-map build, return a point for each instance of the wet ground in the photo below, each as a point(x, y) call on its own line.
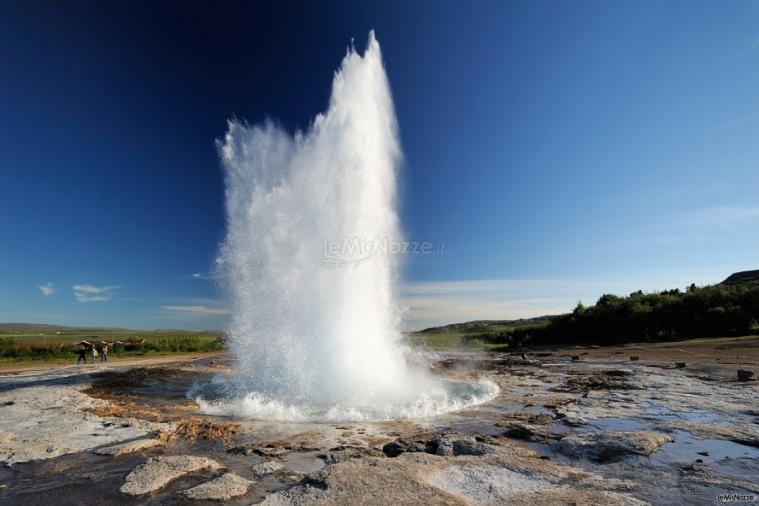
point(568, 427)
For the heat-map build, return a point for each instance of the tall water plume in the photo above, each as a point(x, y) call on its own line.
point(309, 335)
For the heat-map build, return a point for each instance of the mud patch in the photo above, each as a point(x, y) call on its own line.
point(195, 428)
point(147, 393)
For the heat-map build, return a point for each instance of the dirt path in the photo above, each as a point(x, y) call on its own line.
point(112, 361)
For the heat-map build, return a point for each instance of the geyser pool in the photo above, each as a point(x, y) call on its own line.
point(316, 333)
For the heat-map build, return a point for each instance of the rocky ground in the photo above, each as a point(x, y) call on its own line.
point(578, 426)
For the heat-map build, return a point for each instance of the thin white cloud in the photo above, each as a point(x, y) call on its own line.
point(202, 276)
point(47, 289)
point(91, 293)
point(200, 310)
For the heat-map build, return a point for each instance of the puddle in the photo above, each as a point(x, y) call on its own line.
point(658, 411)
point(701, 416)
point(303, 462)
point(626, 424)
point(686, 448)
point(738, 469)
point(560, 429)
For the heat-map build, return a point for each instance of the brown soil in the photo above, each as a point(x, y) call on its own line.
point(129, 395)
point(583, 382)
point(195, 428)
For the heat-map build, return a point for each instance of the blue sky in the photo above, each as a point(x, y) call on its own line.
point(559, 149)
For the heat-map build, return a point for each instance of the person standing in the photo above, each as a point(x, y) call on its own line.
point(81, 353)
point(94, 354)
point(104, 353)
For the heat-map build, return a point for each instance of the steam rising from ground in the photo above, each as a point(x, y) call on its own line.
point(313, 341)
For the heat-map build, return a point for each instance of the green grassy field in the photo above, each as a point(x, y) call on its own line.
point(444, 340)
point(20, 342)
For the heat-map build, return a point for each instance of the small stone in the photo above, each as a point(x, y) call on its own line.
point(444, 447)
point(270, 452)
point(265, 468)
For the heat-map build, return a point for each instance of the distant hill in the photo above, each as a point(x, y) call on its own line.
point(730, 308)
point(45, 328)
point(50, 328)
point(742, 277)
point(487, 326)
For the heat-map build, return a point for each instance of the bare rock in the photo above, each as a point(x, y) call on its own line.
point(445, 445)
point(421, 478)
point(156, 472)
point(527, 432)
point(469, 447)
point(342, 453)
point(486, 484)
point(43, 422)
point(426, 443)
point(128, 447)
point(223, 488)
point(612, 445)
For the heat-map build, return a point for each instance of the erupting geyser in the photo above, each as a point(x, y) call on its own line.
point(318, 339)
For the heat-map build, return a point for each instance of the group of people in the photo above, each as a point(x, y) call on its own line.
point(82, 354)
